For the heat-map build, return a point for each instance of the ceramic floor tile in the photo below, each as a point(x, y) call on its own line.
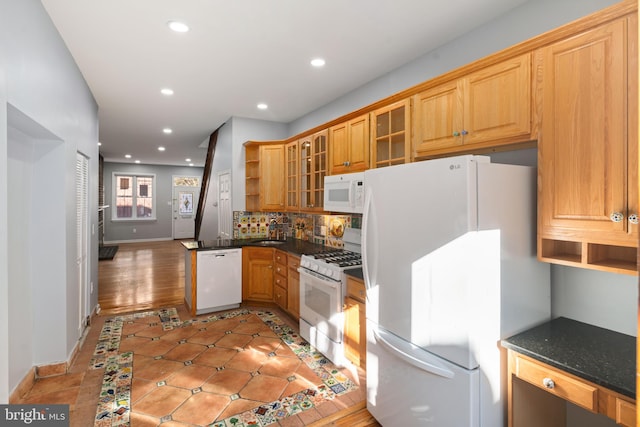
point(265, 345)
point(157, 370)
point(161, 401)
point(206, 336)
point(201, 408)
point(239, 367)
point(60, 382)
point(278, 366)
point(184, 352)
point(216, 357)
point(264, 388)
point(191, 377)
point(155, 348)
point(228, 381)
point(234, 341)
point(248, 360)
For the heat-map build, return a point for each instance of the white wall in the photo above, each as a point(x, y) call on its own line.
point(162, 227)
point(52, 115)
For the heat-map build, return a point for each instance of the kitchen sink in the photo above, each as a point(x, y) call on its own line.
point(270, 242)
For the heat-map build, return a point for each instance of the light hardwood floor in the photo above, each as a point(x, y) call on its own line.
point(150, 275)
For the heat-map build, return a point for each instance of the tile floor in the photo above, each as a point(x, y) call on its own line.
point(236, 368)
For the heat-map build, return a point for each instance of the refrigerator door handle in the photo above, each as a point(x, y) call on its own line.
point(412, 354)
point(370, 249)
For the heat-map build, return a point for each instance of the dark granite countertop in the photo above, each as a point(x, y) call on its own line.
point(295, 246)
point(599, 355)
point(355, 272)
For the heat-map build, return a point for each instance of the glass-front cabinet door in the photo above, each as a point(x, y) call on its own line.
point(313, 168)
point(391, 135)
point(292, 170)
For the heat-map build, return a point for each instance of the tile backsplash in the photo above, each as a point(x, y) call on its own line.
point(322, 229)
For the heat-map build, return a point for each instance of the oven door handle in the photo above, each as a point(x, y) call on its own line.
point(326, 281)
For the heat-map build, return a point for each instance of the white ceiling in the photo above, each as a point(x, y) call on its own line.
point(237, 54)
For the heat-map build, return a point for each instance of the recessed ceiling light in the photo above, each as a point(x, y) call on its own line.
point(128, 156)
point(318, 62)
point(166, 91)
point(167, 130)
point(161, 148)
point(262, 106)
point(137, 161)
point(190, 164)
point(187, 160)
point(178, 27)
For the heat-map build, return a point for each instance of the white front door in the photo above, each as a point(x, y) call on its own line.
point(225, 215)
point(186, 191)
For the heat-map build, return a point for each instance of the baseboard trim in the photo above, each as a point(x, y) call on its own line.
point(23, 387)
point(159, 239)
point(50, 369)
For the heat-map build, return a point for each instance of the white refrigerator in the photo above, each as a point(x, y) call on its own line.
point(449, 260)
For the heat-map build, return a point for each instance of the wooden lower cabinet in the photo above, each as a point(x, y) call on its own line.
point(257, 274)
point(537, 395)
point(355, 331)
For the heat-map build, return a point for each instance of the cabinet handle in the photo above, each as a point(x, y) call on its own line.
point(464, 132)
point(271, 266)
point(548, 383)
point(616, 217)
point(633, 218)
point(456, 133)
point(347, 163)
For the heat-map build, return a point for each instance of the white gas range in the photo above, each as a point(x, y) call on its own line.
point(322, 291)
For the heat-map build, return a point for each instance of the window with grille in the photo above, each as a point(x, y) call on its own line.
point(133, 197)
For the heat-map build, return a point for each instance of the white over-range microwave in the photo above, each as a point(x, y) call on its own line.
point(344, 193)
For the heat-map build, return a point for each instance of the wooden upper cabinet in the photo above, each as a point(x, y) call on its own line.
point(349, 146)
point(391, 134)
point(489, 107)
point(264, 185)
point(313, 168)
point(588, 149)
point(271, 177)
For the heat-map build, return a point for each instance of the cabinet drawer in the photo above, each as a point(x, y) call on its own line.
point(557, 383)
point(281, 257)
point(625, 413)
point(294, 262)
point(280, 296)
point(279, 280)
point(356, 289)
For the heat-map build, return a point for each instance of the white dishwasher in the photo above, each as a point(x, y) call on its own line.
point(218, 280)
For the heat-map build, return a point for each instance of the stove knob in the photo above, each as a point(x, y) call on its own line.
point(329, 273)
point(314, 267)
point(323, 271)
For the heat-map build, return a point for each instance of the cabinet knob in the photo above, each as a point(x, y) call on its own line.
point(633, 218)
point(271, 266)
point(548, 383)
point(616, 217)
point(456, 133)
point(464, 132)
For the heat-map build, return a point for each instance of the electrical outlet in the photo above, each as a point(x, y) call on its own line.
point(134, 230)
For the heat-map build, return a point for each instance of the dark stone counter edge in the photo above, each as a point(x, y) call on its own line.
point(294, 246)
point(625, 390)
